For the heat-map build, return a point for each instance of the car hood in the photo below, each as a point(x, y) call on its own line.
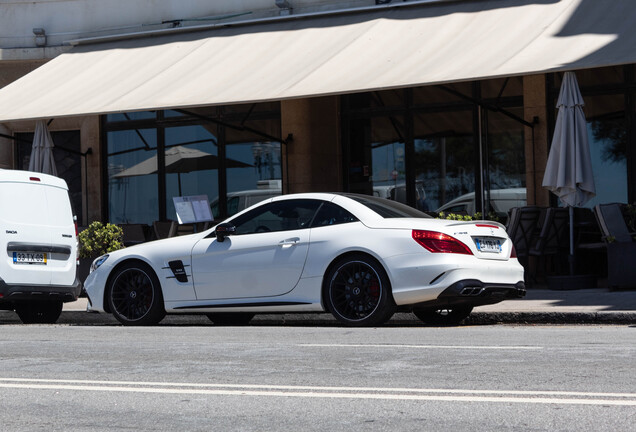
point(181, 245)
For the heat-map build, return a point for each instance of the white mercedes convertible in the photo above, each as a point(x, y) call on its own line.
point(358, 257)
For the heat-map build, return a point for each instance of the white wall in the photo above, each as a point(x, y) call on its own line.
point(65, 20)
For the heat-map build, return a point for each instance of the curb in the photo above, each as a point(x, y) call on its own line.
point(551, 318)
point(398, 320)
point(80, 318)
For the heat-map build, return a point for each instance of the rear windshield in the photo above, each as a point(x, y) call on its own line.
point(387, 208)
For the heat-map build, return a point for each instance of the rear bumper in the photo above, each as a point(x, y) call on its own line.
point(10, 294)
point(472, 292)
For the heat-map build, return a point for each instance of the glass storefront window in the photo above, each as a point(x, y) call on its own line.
point(253, 174)
point(506, 171)
point(444, 168)
point(388, 168)
point(191, 164)
point(430, 151)
point(495, 89)
point(254, 168)
point(607, 134)
point(128, 116)
point(132, 176)
point(377, 164)
point(215, 151)
point(442, 94)
point(444, 156)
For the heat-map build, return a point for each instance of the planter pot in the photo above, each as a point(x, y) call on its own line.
point(83, 269)
point(621, 271)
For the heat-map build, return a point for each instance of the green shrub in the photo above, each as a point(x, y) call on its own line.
point(99, 239)
point(477, 216)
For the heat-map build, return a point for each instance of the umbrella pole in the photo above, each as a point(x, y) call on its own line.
point(571, 257)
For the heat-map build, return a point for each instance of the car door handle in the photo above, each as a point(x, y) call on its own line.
point(289, 242)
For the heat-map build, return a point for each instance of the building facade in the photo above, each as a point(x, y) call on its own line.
point(156, 100)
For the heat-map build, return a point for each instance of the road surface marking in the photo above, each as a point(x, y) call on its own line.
point(380, 393)
point(467, 347)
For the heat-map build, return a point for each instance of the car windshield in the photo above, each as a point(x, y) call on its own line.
point(387, 208)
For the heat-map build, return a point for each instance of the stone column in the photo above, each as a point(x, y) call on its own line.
point(312, 159)
point(6, 149)
point(536, 148)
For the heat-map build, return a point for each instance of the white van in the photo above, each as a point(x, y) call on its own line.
point(501, 201)
point(238, 201)
point(38, 233)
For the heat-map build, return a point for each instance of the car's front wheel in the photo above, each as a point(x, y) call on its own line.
point(46, 312)
point(357, 292)
point(443, 316)
point(134, 295)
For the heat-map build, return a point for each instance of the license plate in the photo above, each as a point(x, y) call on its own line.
point(29, 258)
point(492, 245)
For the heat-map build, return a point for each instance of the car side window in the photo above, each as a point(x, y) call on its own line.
point(332, 214)
point(277, 216)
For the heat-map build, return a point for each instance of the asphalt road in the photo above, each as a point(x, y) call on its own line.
point(293, 378)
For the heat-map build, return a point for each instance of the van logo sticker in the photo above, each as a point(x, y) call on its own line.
point(67, 236)
point(11, 232)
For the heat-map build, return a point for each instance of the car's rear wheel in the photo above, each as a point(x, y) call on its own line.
point(134, 295)
point(443, 316)
point(357, 292)
point(230, 318)
point(46, 312)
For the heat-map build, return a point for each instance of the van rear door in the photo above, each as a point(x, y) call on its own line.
point(63, 262)
point(37, 232)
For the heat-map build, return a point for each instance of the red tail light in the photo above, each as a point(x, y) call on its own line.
point(77, 257)
point(513, 253)
point(438, 242)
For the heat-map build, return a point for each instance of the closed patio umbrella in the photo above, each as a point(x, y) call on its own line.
point(42, 159)
point(568, 173)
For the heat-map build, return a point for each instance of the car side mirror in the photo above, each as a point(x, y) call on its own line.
point(224, 230)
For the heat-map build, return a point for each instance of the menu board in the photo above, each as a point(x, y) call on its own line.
point(191, 209)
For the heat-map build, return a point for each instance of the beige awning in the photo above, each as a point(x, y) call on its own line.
point(414, 44)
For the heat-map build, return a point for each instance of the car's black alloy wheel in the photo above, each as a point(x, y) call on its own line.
point(134, 295)
point(443, 316)
point(358, 292)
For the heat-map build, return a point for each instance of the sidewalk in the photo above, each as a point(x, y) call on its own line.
point(544, 306)
point(540, 306)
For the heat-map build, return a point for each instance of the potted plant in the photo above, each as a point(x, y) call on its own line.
point(96, 240)
point(477, 216)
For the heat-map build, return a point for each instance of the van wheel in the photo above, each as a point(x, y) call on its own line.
point(39, 312)
point(134, 295)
